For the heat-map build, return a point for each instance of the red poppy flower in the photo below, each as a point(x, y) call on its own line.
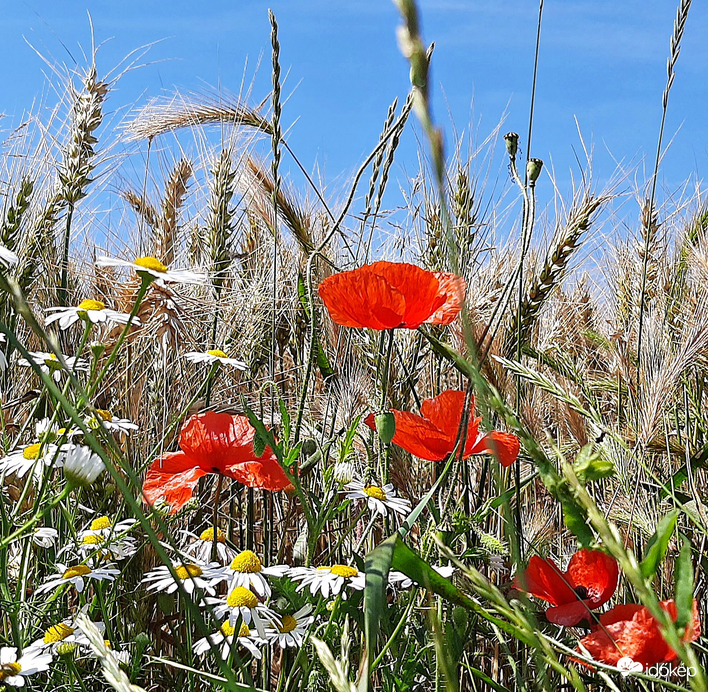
point(590, 581)
point(631, 631)
point(432, 435)
point(386, 295)
point(211, 443)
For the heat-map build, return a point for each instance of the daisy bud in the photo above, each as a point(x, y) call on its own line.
point(66, 649)
point(511, 139)
point(533, 170)
point(385, 426)
point(97, 349)
point(343, 472)
point(82, 467)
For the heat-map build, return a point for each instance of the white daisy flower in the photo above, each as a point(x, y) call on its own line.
point(65, 632)
point(403, 582)
point(45, 537)
point(13, 670)
point(110, 422)
point(36, 456)
point(248, 571)
point(48, 431)
point(202, 545)
point(105, 541)
point(243, 603)
point(329, 581)
point(191, 576)
point(147, 267)
point(215, 356)
point(82, 466)
point(293, 628)
point(379, 499)
point(50, 365)
point(77, 575)
point(225, 638)
point(93, 311)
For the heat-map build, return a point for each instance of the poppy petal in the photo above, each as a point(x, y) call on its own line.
point(172, 477)
point(543, 579)
point(216, 441)
point(505, 446)
point(597, 572)
point(362, 298)
point(417, 436)
point(569, 614)
point(454, 288)
point(387, 295)
point(266, 474)
point(631, 630)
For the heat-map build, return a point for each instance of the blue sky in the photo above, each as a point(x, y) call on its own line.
point(602, 62)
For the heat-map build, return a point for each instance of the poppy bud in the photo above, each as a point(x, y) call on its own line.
point(259, 445)
point(533, 170)
point(309, 447)
point(511, 140)
point(385, 426)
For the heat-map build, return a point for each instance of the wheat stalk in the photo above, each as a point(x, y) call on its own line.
point(163, 115)
point(552, 271)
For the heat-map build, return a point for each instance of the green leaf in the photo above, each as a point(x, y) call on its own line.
point(575, 518)
point(657, 545)
point(684, 585)
point(377, 566)
point(590, 466)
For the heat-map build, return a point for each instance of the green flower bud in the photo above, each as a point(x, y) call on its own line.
point(309, 447)
point(511, 139)
point(66, 649)
point(385, 426)
point(97, 349)
point(533, 170)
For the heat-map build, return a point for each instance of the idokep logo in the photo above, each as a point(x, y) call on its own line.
point(658, 670)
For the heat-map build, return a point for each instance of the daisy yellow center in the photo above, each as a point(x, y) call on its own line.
point(208, 535)
point(9, 670)
point(100, 523)
point(217, 353)
point(241, 597)
point(107, 644)
point(344, 571)
point(92, 539)
point(103, 414)
point(57, 633)
point(375, 492)
point(150, 263)
point(91, 305)
point(187, 571)
point(32, 452)
point(247, 561)
point(288, 625)
point(78, 571)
